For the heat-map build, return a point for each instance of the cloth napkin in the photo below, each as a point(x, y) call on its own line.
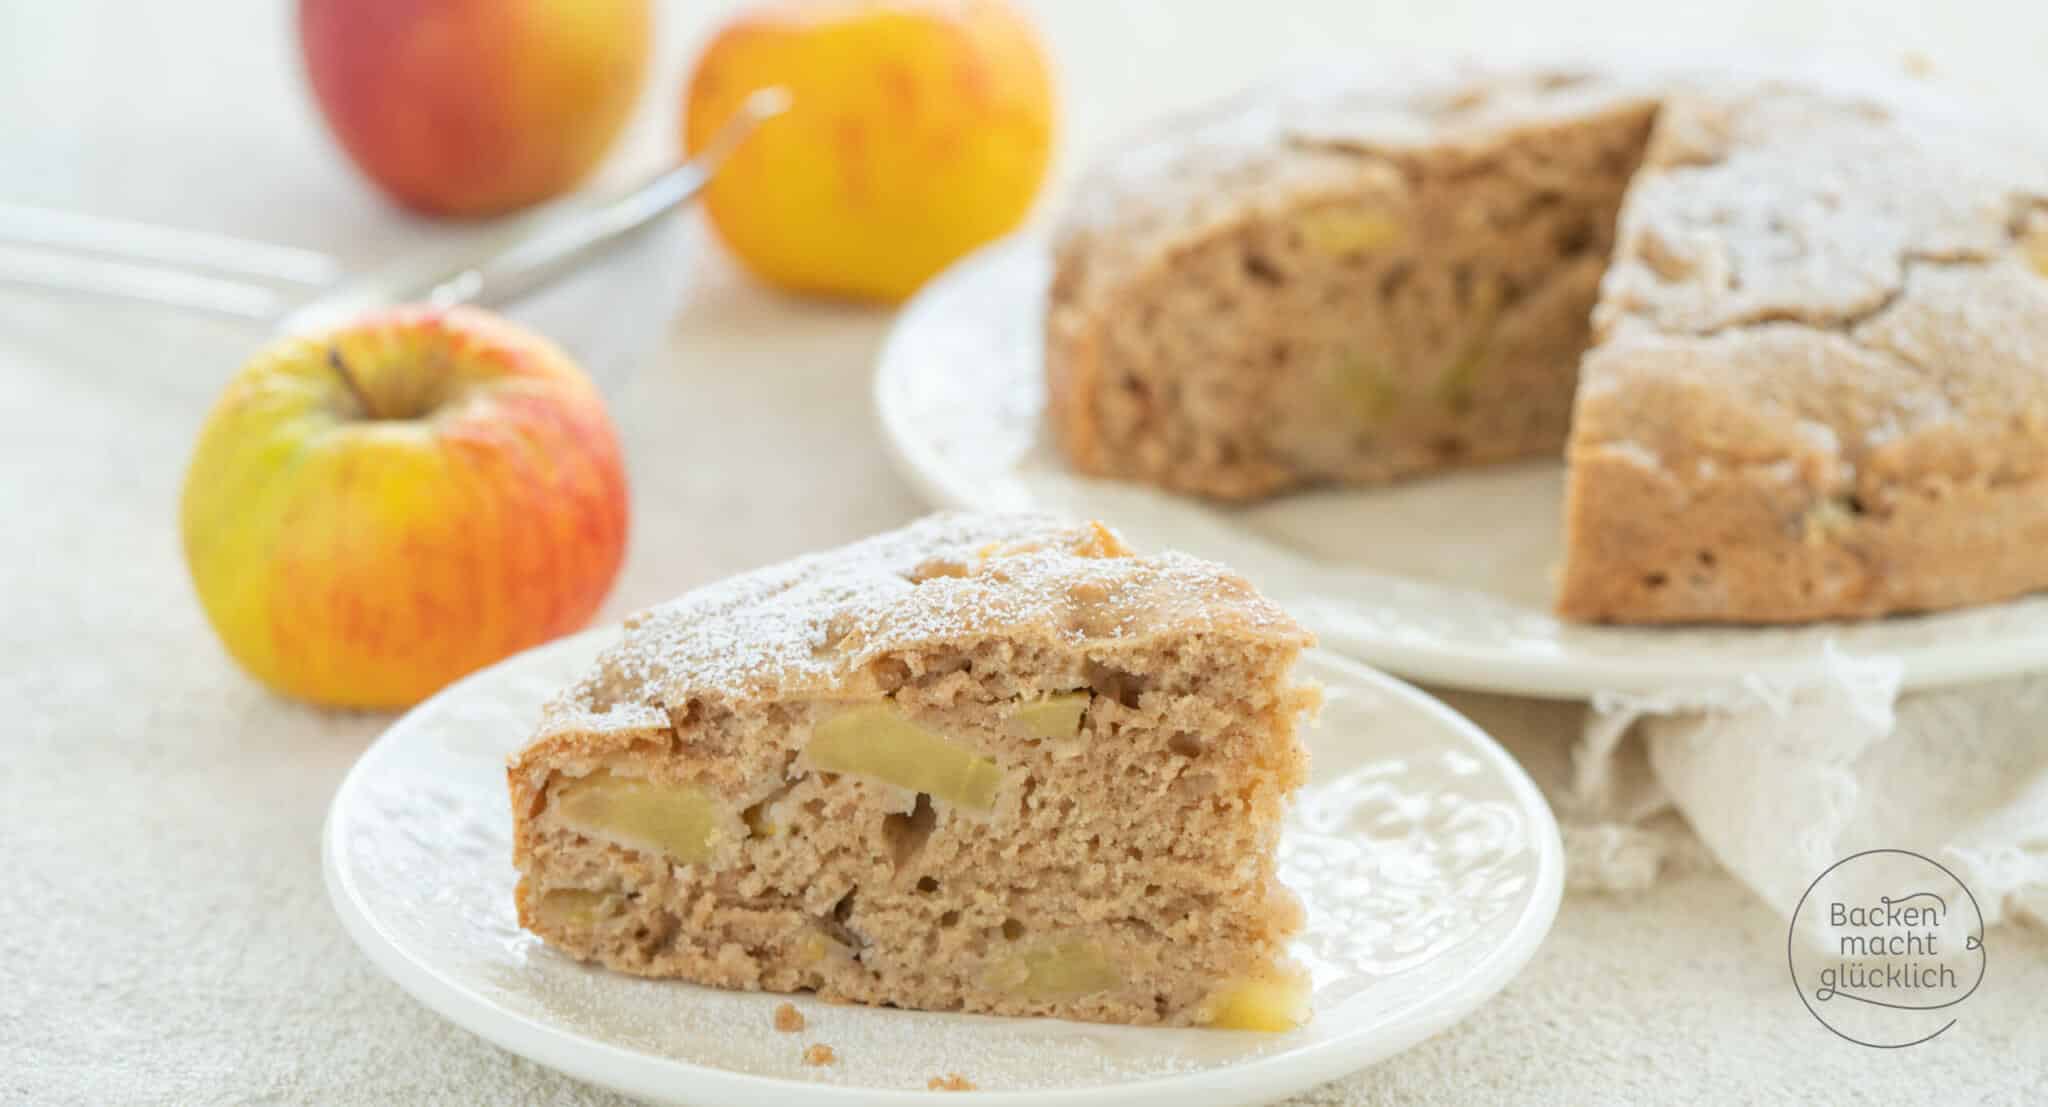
point(1776, 781)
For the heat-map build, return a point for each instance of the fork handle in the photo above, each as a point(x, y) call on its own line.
point(540, 251)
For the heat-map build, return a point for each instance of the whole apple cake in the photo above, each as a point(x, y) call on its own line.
point(983, 763)
point(1792, 336)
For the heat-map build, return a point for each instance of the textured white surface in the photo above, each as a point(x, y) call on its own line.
point(1428, 866)
point(164, 935)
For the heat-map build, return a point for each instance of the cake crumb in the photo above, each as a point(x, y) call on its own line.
point(951, 1082)
point(819, 1054)
point(788, 1019)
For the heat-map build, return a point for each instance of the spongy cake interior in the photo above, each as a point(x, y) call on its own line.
point(1404, 310)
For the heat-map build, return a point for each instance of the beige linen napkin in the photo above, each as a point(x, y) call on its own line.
point(1776, 782)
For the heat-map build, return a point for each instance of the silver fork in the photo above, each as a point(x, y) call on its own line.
point(295, 290)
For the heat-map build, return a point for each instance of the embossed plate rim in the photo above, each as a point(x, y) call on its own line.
point(1261, 1078)
point(973, 315)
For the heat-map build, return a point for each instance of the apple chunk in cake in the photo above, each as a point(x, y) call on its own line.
point(983, 763)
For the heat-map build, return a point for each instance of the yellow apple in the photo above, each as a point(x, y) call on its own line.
point(376, 511)
point(474, 107)
point(919, 129)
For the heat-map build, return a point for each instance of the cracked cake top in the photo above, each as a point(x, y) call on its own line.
point(816, 624)
point(1845, 285)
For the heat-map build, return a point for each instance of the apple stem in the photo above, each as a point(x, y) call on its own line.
point(348, 377)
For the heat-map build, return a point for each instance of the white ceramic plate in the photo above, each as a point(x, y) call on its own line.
point(1445, 579)
point(1428, 862)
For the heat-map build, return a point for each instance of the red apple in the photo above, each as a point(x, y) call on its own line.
point(475, 107)
point(374, 512)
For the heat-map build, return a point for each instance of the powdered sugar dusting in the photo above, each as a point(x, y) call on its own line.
point(1832, 286)
point(1809, 205)
point(811, 624)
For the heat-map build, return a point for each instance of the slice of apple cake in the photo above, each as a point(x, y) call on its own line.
point(983, 763)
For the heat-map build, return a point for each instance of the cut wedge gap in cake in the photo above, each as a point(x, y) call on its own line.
point(941, 810)
point(1371, 312)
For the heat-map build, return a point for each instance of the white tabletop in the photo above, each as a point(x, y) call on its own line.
point(164, 933)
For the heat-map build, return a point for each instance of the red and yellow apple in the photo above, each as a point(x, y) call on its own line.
point(918, 130)
point(475, 107)
point(373, 512)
